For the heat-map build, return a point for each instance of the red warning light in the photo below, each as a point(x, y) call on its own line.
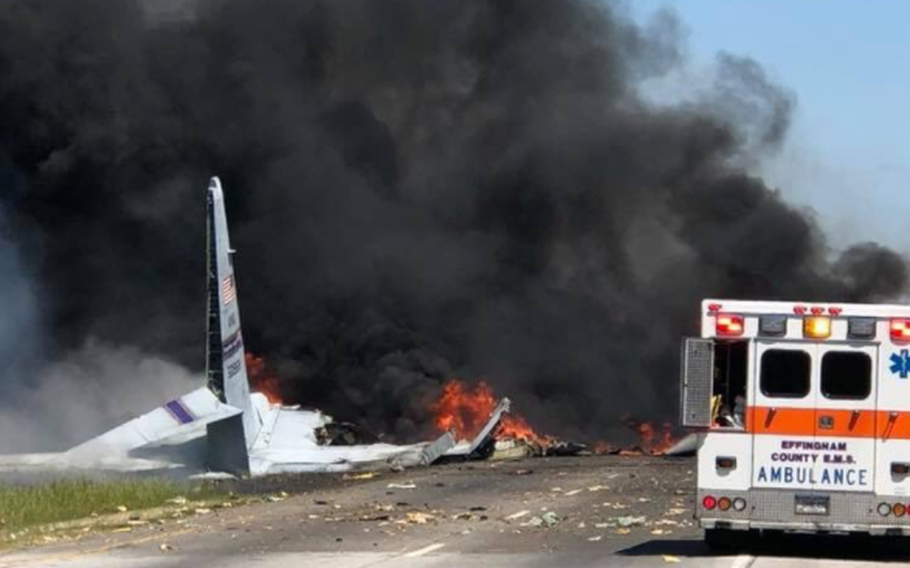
point(729, 325)
point(900, 329)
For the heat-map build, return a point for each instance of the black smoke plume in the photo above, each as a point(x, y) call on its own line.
point(418, 190)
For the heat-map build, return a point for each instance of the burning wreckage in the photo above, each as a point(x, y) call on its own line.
point(224, 427)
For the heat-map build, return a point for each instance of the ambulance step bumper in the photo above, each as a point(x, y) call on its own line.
point(787, 510)
point(875, 530)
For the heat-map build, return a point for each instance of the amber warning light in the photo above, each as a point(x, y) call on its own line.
point(729, 325)
point(817, 327)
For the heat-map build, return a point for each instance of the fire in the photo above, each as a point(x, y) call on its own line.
point(464, 411)
point(651, 440)
point(517, 427)
point(261, 380)
point(461, 410)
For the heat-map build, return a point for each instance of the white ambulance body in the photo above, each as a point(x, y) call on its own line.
point(803, 411)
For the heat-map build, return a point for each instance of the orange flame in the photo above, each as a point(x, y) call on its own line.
point(464, 412)
point(461, 410)
point(261, 380)
point(517, 427)
point(651, 441)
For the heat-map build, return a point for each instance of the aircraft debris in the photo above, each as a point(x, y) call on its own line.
point(549, 519)
point(518, 515)
point(344, 434)
point(359, 476)
point(626, 522)
point(224, 427)
point(688, 446)
point(224, 430)
point(418, 518)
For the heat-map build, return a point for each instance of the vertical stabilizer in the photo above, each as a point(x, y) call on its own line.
point(226, 371)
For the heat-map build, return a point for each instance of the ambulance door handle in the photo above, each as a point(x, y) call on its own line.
point(889, 427)
point(770, 416)
point(853, 418)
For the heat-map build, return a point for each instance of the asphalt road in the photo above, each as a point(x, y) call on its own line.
point(565, 512)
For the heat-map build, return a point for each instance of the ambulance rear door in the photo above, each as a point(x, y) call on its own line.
point(782, 415)
point(892, 470)
point(845, 417)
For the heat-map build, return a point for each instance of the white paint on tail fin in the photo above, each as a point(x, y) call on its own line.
point(226, 364)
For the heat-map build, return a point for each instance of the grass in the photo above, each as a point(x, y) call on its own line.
point(25, 506)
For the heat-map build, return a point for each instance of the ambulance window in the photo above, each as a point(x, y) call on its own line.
point(785, 373)
point(846, 375)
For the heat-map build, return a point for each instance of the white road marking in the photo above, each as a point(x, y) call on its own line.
point(742, 561)
point(424, 550)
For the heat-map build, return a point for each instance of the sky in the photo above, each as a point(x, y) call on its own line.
point(847, 156)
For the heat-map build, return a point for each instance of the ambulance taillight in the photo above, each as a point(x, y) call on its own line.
point(709, 502)
point(900, 329)
point(729, 325)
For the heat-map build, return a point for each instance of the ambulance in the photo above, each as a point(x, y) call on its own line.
point(802, 411)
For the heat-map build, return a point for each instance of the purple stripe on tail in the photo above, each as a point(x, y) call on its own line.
point(179, 412)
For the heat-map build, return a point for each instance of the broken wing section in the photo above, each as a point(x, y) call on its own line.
point(174, 423)
point(289, 441)
point(485, 439)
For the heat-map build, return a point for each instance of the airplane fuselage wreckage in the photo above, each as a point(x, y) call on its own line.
point(223, 427)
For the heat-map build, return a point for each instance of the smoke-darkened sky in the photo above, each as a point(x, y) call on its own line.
point(417, 190)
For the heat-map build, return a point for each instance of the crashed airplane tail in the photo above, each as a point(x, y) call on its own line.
point(230, 440)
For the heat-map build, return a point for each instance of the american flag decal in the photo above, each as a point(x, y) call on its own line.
point(228, 292)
